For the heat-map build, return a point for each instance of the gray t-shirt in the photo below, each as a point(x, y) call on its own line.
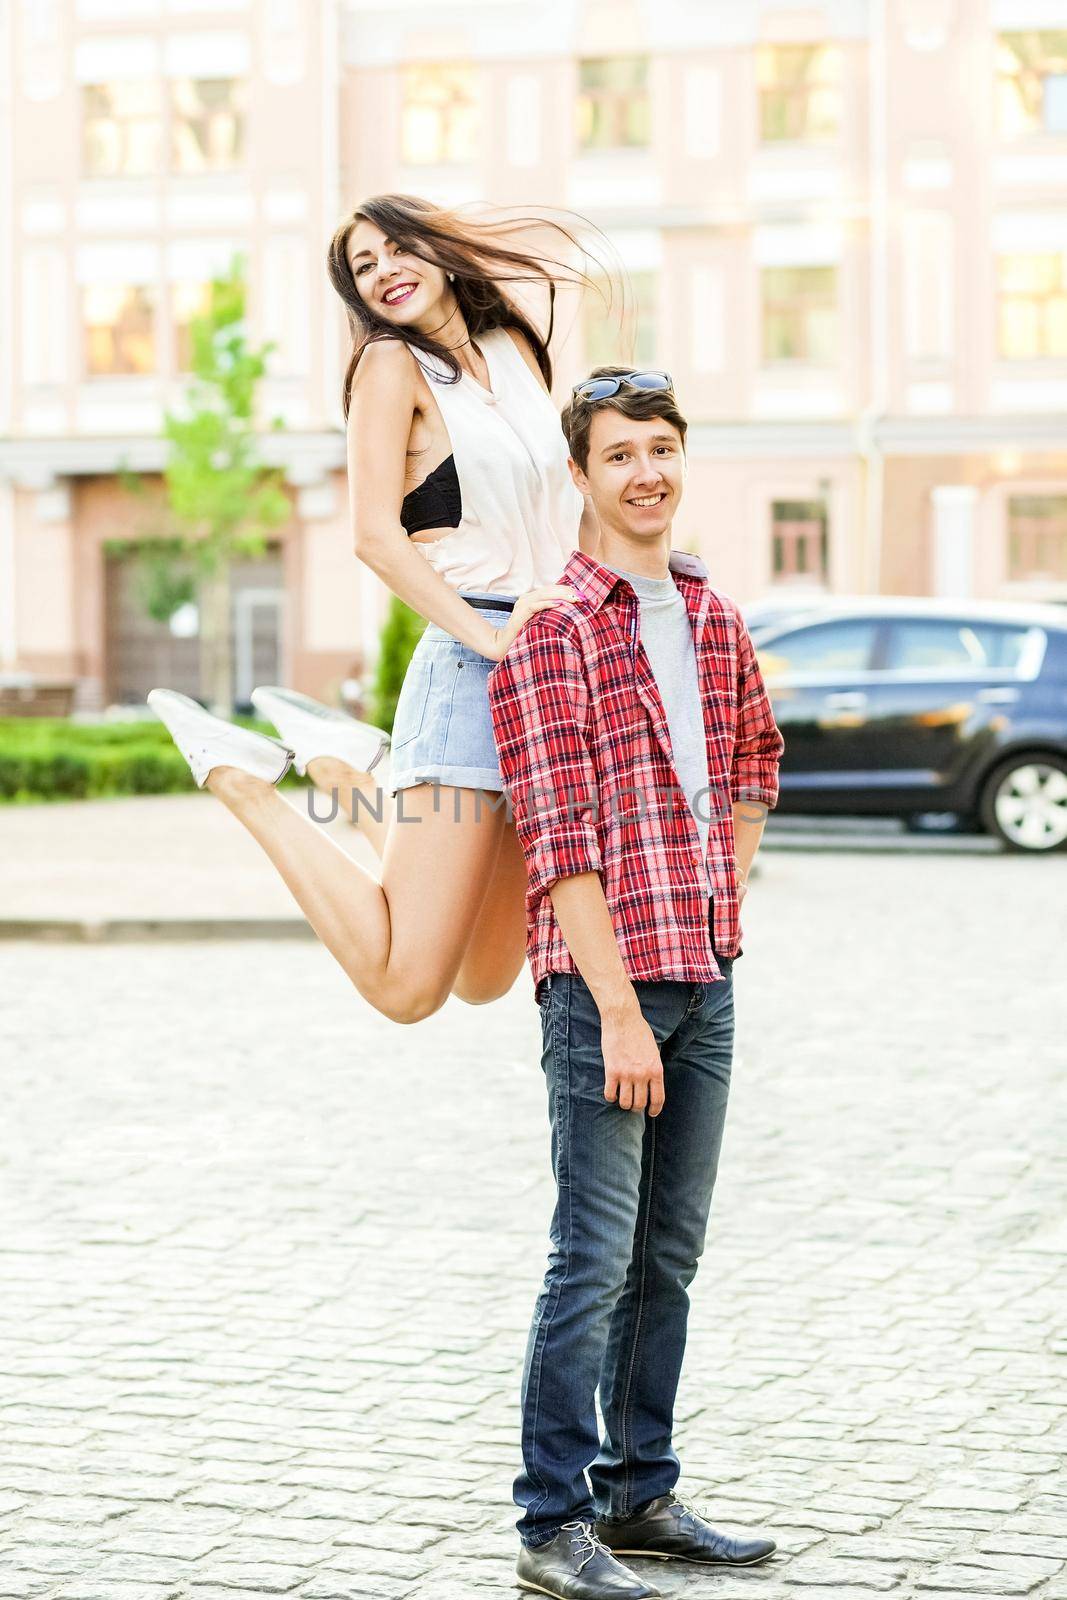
point(667, 635)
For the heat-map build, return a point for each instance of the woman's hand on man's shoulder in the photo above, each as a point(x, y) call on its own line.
point(526, 606)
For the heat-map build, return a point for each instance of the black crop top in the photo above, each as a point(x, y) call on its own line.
point(436, 502)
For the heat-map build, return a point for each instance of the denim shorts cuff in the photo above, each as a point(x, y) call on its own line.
point(452, 777)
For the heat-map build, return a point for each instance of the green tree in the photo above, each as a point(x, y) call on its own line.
point(400, 634)
point(218, 502)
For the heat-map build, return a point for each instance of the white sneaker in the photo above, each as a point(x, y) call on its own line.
point(207, 741)
point(311, 729)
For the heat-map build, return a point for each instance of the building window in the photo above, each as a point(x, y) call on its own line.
point(140, 652)
point(1032, 82)
point(799, 89)
point(613, 103)
point(121, 128)
point(188, 301)
point(207, 123)
point(800, 541)
point(625, 332)
point(1037, 538)
point(119, 323)
point(439, 122)
point(1032, 306)
point(799, 314)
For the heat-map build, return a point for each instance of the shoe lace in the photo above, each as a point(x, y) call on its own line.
point(584, 1541)
point(701, 1513)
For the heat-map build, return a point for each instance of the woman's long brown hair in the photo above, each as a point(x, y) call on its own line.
point(474, 252)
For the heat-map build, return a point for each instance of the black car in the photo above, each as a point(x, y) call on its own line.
point(900, 707)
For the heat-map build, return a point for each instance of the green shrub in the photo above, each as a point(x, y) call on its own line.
point(48, 758)
point(36, 773)
point(401, 632)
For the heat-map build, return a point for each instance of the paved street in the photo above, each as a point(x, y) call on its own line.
point(108, 867)
point(268, 1260)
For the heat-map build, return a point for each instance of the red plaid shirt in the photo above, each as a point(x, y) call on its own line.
point(586, 760)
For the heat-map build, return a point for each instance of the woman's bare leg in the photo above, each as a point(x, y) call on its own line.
point(497, 948)
point(401, 942)
point(362, 797)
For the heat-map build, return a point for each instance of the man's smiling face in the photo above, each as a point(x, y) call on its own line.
point(635, 473)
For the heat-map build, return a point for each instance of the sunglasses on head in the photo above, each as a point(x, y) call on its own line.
point(604, 388)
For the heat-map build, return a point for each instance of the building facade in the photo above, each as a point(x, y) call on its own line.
point(148, 142)
point(843, 228)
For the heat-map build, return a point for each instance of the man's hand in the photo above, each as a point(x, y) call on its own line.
point(633, 1071)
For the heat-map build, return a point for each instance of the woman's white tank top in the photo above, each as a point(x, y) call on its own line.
point(520, 508)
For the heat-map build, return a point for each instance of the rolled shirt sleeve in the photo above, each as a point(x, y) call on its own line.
point(539, 700)
point(758, 744)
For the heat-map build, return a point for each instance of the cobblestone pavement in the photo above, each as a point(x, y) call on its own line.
point(268, 1260)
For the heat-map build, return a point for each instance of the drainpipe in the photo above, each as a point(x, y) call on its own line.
point(874, 412)
point(8, 614)
point(331, 46)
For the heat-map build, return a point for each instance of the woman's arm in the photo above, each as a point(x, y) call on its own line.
point(589, 527)
point(384, 397)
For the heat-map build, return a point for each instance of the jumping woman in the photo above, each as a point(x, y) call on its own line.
point(463, 505)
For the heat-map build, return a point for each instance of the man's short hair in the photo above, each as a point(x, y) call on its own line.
point(640, 404)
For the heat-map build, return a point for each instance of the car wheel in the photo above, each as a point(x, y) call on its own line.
point(1024, 803)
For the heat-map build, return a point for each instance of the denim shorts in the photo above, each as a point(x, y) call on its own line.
point(442, 731)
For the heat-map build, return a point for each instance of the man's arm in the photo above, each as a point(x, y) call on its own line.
point(749, 818)
point(540, 704)
point(758, 750)
point(633, 1071)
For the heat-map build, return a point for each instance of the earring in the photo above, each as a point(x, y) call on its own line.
point(451, 277)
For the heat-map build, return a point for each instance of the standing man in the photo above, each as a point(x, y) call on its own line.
point(640, 756)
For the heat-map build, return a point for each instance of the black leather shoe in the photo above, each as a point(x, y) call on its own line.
point(673, 1531)
point(576, 1566)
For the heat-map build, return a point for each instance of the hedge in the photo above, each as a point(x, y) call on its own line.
point(401, 632)
point(48, 758)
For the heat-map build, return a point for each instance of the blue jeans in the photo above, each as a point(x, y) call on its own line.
point(633, 1196)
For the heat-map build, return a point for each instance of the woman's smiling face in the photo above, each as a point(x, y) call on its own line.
point(396, 284)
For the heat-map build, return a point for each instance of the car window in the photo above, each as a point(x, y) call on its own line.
point(940, 644)
point(829, 647)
